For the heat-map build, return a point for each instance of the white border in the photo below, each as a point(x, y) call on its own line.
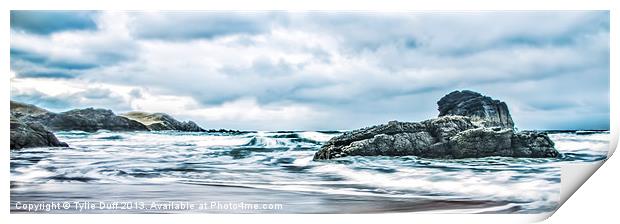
point(587, 210)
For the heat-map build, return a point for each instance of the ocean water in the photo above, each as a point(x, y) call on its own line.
point(273, 172)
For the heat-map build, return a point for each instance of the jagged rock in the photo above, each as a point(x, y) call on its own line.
point(469, 126)
point(91, 120)
point(229, 131)
point(482, 109)
point(29, 113)
point(23, 108)
point(88, 119)
point(394, 138)
point(365, 133)
point(533, 144)
point(31, 134)
point(161, 122)
point(447, 126)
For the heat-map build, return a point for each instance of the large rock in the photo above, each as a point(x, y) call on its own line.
point(88, 119)
point(162, 122)
point(91, 120)
point(30, 113)
point(533, 144)
point(482, 109)
point(484, 142)
point(443, 128)
point(469, 126)
point(32, 134)
point(23, 108)
point(392, 139)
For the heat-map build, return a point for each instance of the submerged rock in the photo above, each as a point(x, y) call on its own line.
point(162, 122)
point(32, 134)
point(482, 109)
point(469, 126)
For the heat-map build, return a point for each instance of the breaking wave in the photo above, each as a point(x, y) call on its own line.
point(279, 166)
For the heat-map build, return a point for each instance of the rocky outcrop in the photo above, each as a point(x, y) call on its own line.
point(91, 119)
point(482, 109)
point(162, 122)
point(31, 134)
point(483, 128)
point(23, 108)
point(88, 119)
point(229, 131)
point(31, 126)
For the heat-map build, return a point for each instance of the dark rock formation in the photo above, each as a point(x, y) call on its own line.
point(161, 122)
point(32, 134)
point(392, 139)
point(29, 113)
point(483, 142)
point(534, 144)
point(88, 119)
point(482, 109)
point(486, 130)
point(31, 125)
point(91, 120)
point(22, 108)
point(229, 131)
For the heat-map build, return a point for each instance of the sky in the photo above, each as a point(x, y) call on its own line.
point(314, 70)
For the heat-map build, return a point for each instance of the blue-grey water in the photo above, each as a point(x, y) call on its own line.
point(275, 169)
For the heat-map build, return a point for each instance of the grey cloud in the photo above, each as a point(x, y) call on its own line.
point(196, 25)
point(462, 33)
point(44, 57)
point(552, 105)
point(34, 59)
point(262, 66)
point(136, 93)
point(42, 100)
point(46, 22)
point(27, 69)
point(45, 74)
point(96, 93)
point(362, 68)
point(94, 97)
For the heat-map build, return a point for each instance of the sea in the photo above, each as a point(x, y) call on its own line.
point(273, 172)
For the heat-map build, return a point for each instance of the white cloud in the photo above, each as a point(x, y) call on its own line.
point(305, 70)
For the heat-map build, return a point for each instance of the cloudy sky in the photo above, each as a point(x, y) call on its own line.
point(314, 70)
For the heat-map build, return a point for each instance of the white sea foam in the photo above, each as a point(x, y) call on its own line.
point(591, 142)
point(283, 162)
point(465, 184)
point(317, 136)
